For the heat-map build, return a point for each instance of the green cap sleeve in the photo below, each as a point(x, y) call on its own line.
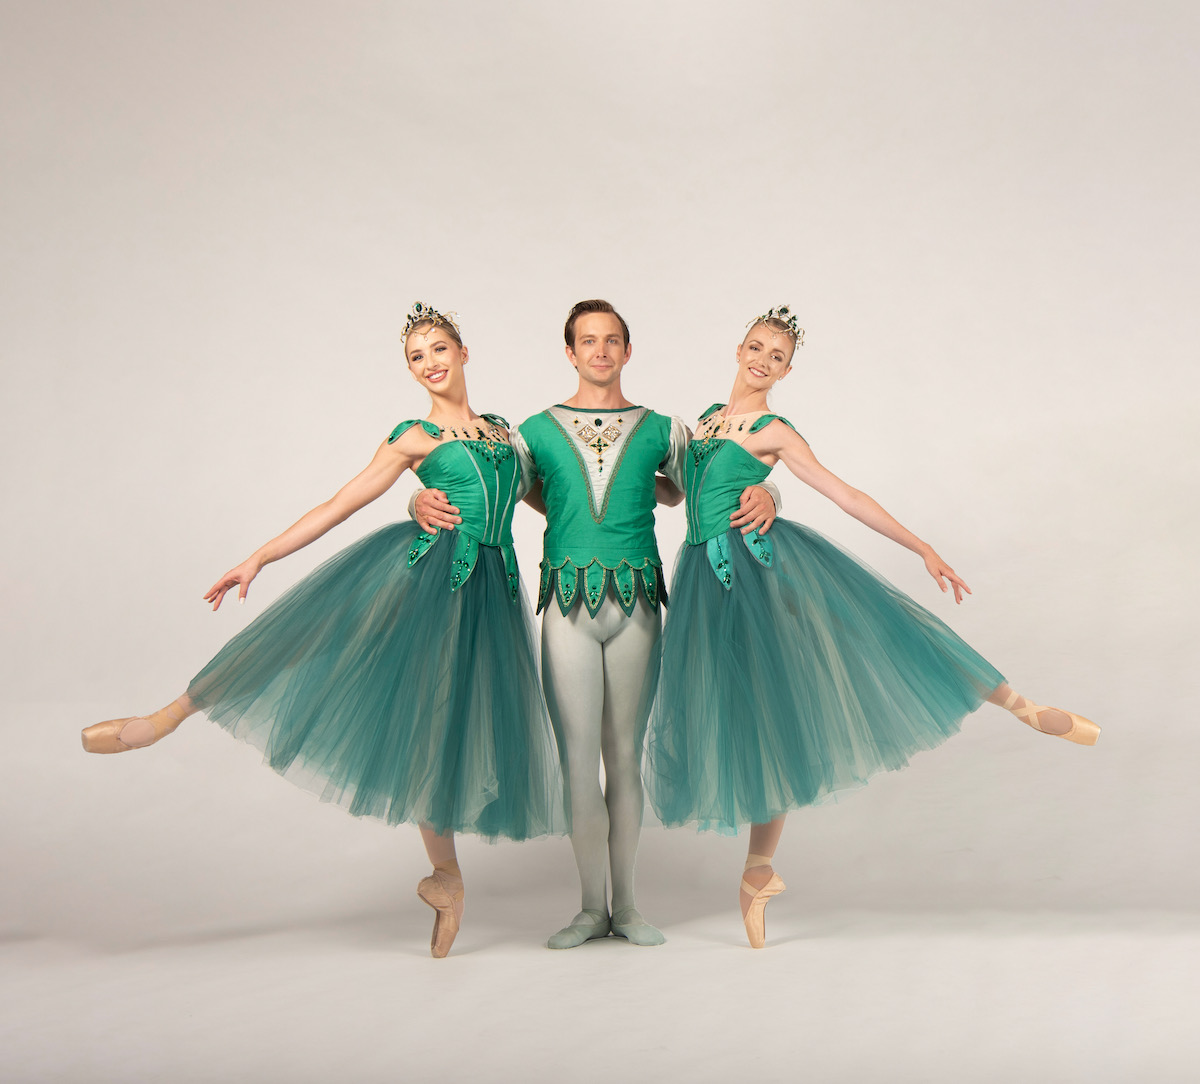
point(495, 419)
point(712, 410)
point(767, 419)
point(405, 426)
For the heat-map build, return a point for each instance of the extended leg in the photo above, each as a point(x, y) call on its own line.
point(137, 731)
point(628, 655)
point(1055, 721)
point(573, 678)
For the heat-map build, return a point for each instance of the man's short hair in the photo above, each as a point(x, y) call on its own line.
point(582, 308)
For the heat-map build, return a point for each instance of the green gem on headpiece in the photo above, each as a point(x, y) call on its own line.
point(785, 316)
point(422, 313)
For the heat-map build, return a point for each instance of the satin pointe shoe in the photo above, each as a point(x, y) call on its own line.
point(629, 924)
point(756, 919)
point(445, 894)
point(132, 732)
point(585, 926)
point(1083, 731)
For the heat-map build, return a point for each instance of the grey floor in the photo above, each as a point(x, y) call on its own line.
point(854, 996)
point(182, 914)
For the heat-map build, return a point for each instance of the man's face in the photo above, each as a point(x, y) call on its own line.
point(600, 349)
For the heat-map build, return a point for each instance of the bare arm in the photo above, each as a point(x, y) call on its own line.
point(533, 497)
point(390, 461)
point(667, 492)
point(786, 445)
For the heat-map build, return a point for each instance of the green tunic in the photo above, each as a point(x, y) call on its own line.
point(597, 469)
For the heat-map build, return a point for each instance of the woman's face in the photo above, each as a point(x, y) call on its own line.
point(435, 360)
point(765, 357)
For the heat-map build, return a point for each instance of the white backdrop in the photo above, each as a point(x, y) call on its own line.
point(214, 216)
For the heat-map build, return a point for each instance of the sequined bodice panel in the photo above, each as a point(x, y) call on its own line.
point(716, 473)
point(481, 479)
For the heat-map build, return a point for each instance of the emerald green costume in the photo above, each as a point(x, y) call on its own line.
point(597, 469)
point(790, 670)
point(400, 678)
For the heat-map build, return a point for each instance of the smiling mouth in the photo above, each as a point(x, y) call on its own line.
point(438, 377)
point(757, 372)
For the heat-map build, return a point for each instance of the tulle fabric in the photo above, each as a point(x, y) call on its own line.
point(375, 686)
point(801, 680)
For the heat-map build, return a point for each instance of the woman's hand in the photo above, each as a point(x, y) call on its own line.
point(942, 572)
point(235, 577)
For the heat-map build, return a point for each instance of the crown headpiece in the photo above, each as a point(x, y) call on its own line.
point(421, 313)
point(785, 316)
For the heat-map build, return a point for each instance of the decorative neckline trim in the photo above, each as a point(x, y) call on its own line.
point(599, 410)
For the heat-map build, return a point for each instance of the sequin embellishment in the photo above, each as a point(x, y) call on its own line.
point(718, 557)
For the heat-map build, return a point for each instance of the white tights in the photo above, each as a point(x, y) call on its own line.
point(595, 671)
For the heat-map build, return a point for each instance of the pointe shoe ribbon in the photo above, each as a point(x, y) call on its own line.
point(629, 924)
point(1083, 731)
point(445, 894)
point(756, 919)
point(588, 925)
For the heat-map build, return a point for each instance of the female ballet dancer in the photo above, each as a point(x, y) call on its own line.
point(789, 669)
point(400, 678)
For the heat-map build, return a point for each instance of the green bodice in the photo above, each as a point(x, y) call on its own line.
point(598, 472)
point(716, 472)
point(481, 478)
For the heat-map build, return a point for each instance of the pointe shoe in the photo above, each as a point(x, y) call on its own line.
point(445, 895)
point(755, 917)
point(1083, 731)
point(629, 924)
point(121, 735)
point(586, 926)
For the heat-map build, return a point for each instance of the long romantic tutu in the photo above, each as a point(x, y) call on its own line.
point(801, 680)
point(375, 686)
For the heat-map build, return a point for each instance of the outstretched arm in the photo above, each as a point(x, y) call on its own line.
point(792, 449)
point(391, 460)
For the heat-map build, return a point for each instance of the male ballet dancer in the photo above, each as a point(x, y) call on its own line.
point(596, 461)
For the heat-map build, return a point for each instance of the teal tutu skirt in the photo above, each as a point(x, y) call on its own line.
point(803, 679)
point(375, 686)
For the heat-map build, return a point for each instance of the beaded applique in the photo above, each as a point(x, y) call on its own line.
point(718, 557)
point(566, 583)
point(421, 546)
point(466, 553)
point(593, 582)
point(492, 442)
point(760, 548)
point(588, 433)
point(595, 586)
point(510, 568)
point(495, 452)
point(652, 585)
point(626, 586)
point(596, 439)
